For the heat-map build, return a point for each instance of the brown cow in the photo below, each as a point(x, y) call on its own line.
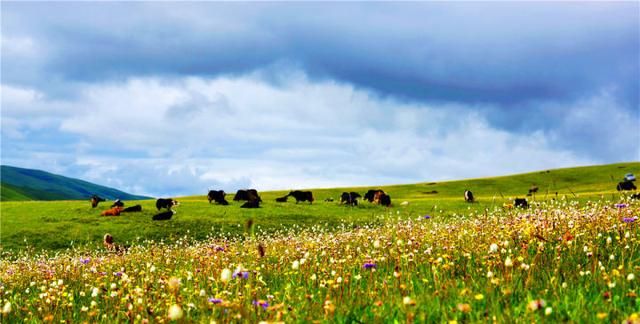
point(115, 211)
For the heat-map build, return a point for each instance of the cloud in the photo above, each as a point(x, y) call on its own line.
point(176, 136)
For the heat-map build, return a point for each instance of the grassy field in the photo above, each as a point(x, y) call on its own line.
point(438, 259)
point(59, 225)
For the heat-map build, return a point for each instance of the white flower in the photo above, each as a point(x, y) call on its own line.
point(548, 311)
point(489, 274)
point(493, 248)
point(95, 292)
point(295, 265)
point(508, 263)
point(376, 244)
point(7, 308)
point(175, 311)
point(630, 277)
point(202, 293)
point(225, 276)
point(608, 240)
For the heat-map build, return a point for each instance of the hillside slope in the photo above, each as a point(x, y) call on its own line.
point(29, 184)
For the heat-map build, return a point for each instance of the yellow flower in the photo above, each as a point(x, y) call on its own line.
point(7, 308)
point(602, 315)
point(479, 297)
point(225, 276)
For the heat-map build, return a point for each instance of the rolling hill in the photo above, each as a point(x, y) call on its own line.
point(28, 184)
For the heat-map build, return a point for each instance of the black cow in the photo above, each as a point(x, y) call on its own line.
point(282, 199)
point(95, 199)
point(371, 194)
point(217, 196)
point(302, 196)
point(251, 204)
point(166, 215)
point(350, 198)
point(117, 203)
point(521, 203)
point(468, 196)
point(626, 185)
point(635, 196)
point(136, 208)
point(249, 195)
point(165, 203)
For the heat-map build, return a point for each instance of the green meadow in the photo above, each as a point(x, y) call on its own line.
point(60, 225)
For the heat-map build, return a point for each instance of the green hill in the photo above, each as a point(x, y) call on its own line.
point(28, 184)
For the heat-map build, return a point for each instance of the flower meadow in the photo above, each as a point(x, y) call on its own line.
point(556, 261)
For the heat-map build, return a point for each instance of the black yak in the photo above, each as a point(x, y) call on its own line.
point(371, 194)
point(95, 199)
point(626, 185)
point(384, 200)
point(165, 203)
point(136, 208)
point(117, 203)
point(302, 196)
point(217, 196)
point(251, 204)
point(468, 196)
point(166, 215)
point(249, 195)
point(350, 198)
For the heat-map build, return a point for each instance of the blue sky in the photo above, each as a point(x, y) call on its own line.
point(169, 99)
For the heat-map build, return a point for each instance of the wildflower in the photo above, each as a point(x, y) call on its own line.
point(225, 276)
point(629, 220)
point(621, 205)
point(262, 303)
point(202, 292)
point(479, 297)
point(174, 283)
point(241, 275)
point(630, 277)
point(548, 311)
point(427, 217)
point(493, 248)
point(408, 301)
point(6, 309)
point(313, 277)
point(84, 309)
point(295, 265)
point(609, 240)
point(85, 260)
point(535, 305)
point(357, 277)
point(376, 244)
point(489, 274)
point(465, 308)
point(508, 263)
point(602, 315)
point(215, 300)
point(175, 312)
point(95, 292)
point(369, 265)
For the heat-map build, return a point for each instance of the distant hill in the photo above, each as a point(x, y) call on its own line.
point(29, 184)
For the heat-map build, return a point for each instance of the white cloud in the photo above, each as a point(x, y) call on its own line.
point(183, 136)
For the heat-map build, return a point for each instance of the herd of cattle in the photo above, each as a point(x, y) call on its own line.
point(252, 200)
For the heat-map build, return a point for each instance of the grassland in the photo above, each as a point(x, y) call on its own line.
point(58, 225)
point(573, 258)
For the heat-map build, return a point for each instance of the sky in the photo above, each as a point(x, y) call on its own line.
point(169, 99)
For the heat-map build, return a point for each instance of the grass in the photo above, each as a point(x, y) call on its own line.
point(58, 225)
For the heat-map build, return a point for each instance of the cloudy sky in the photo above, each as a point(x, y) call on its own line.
point(171, 99)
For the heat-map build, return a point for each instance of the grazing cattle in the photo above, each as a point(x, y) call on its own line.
point(282, 199)
point(468, 196)
point(370, 195)
point(166, 215)
point(165, 203)
point(251, 204)
point(114, 211)
point(95, 199)
point(350, 198)
point(136, 208)
point(111, 246)
point(635, 196)
point(532, 190)
point(329, 200)
point(302, 196)
point(521, 203)
point(626, 185)
point(249, 195)
point(217, 196)
point(117, 203)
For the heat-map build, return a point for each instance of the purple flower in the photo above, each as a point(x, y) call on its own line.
point(215, 300)
point(369, 265)
point(241, 274)
point(117, 274)
point(262, 303)
point(85, 260)
point(630, 219)
point(621, 205)
point(219, 248)
point(426, 216)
